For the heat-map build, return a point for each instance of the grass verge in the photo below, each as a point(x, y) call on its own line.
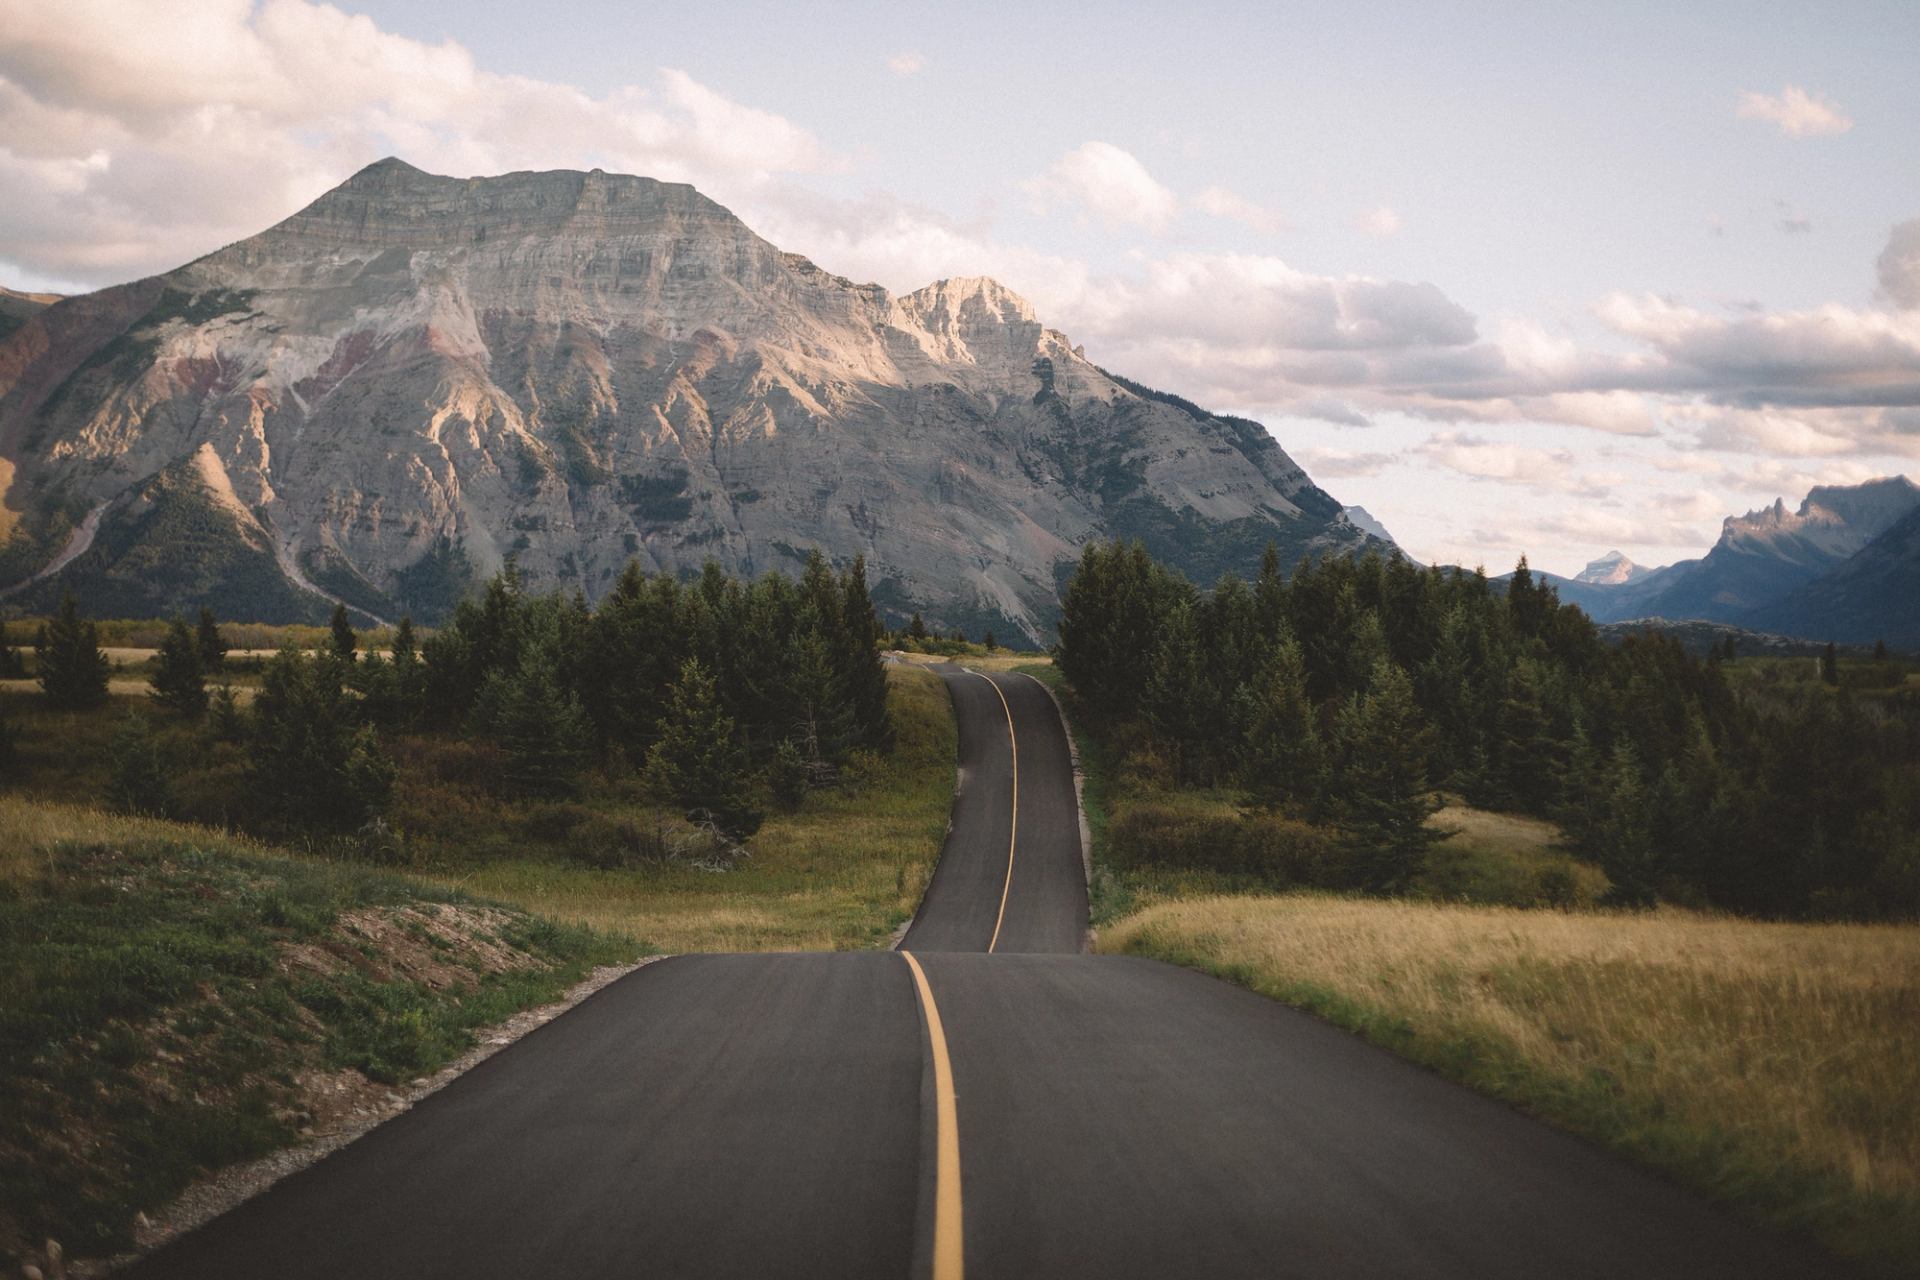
point(169, 995)
point(1773, 1066)
point(840, 874)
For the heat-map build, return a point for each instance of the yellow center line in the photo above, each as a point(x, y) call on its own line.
point(948, 1261)
point(1013, 826)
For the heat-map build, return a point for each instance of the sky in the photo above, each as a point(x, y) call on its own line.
point(1554, 279)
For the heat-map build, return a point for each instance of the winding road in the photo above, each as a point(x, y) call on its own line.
point(985, 1102)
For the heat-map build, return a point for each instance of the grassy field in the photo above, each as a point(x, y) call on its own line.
point(1775, 1066)
point(174, 999)
point(840, 874)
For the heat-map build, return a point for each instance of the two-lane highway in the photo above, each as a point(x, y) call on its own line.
point(962, 1111)
point(1011, 877)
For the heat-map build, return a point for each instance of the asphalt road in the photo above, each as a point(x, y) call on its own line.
point(951, 1112)
point(991, 891)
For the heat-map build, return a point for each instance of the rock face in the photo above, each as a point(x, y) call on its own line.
point(1364, 520)
point(1610, 570)
point(1872, 595)
point(1763, 555)
point(416, 379)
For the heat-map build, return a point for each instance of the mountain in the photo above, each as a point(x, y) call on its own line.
point(1764, 554)
point(1363, 520)
point(1610, 601)
point(1610, 570)
point(1873, 595)
point(16, 307)
point(416, 379)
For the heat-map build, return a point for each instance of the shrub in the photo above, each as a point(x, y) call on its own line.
point(1280, 851)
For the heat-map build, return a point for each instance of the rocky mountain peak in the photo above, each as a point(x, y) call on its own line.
point(1610, 569)
point(416, 379)
point(1833, 520)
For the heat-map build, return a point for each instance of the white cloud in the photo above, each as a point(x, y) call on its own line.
point(1342, 464)
point(132, 141)
point(910, 63)
point(1378, 223)
point(1108, 183)
point(1899, 265)
point(1503, 461)
point(1222, 203)
point(1798, 114)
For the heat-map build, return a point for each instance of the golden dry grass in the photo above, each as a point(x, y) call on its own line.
point(1774, 1064)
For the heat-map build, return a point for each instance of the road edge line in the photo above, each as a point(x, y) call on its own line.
point(948, 1255)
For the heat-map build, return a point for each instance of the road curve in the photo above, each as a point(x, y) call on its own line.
point(1007, 881)
point(953, 1113)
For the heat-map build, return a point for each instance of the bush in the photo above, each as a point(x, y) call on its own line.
point(1279, 851)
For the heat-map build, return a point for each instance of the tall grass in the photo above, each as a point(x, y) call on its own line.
point(839, 874)
point(1774, 1065)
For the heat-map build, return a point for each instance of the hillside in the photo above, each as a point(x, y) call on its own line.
point(417, 379)
point(1873, 595)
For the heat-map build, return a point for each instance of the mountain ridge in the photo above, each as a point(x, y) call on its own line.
point(416, 379)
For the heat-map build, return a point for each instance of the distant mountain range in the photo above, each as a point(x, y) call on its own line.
point(417, 379)
point(1844, 566)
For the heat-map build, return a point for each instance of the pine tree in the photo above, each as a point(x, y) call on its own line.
point(344, 641)
point(1282, 761)
point(543, 731)
point(212, 645)
point(313, 763)
point(1879, 649)
point(917, 627)
point(1381, 782)
point(863, 677)
point(1830, 665)
point(409, 676)
point(140, 773)
point(73, 668)
point(1622, 835)
point(820, 720)
point(789, 776)
point(224, 720)
point(178, 682)
point(1177, 700)
point(698, 760)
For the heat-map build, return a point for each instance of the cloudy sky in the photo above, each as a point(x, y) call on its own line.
point(1515, 277)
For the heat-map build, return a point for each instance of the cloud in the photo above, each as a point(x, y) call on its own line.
point(1508, 463)
point(1832, 356)
point(1341, 464)
point(1899, 266)
point(1222, 203)
point(1798, 114)
point(1338, 412)
point(127, 147)
point(1108, 183)
point(1378, 223)
point(910, 63)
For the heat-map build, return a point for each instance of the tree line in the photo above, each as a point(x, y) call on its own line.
point(1351, 690)
point(725, 694)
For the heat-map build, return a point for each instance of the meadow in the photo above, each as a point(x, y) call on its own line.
point(1771, 1065)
